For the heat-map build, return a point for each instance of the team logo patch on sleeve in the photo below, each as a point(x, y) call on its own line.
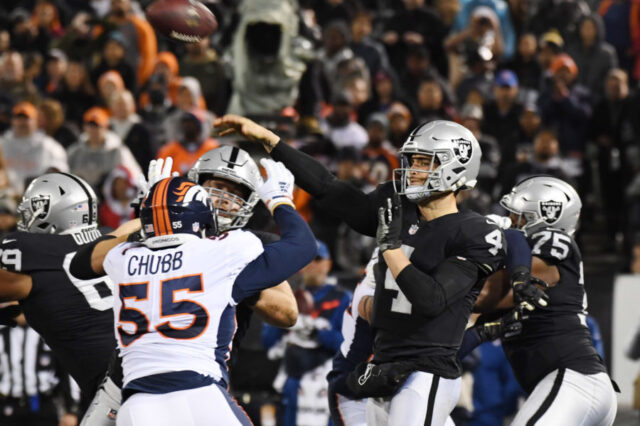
point(41, 203)
point(550, 211)
point(463, 150)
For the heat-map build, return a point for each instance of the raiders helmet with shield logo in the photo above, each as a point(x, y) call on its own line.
point(236, 165)
point(457, 160)
point(544, 201)
point(58, 203)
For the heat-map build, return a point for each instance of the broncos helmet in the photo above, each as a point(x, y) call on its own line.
point(235, 165)
point(58, 203)
point(544, 201)
point(458, 160)
point(174, 211)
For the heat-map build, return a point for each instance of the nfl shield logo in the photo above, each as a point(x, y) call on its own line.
point(463, 150)
point(550, 211)
point(413, 229)
point(42, 203)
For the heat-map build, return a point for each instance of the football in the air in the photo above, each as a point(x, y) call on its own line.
point(183, 20)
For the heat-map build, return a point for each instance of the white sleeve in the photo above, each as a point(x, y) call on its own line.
point(128, 160)
point(58, 156)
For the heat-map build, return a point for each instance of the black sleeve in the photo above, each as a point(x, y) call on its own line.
point(355, 207)
point(80, 266)
point(431, 294)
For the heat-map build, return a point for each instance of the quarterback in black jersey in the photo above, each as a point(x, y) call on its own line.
point(434, 262)
point(74, 316)
point(553, 358)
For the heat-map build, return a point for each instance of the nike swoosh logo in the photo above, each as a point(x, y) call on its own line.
point(5, 241)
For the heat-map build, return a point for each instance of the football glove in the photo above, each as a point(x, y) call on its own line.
point(506, 327)
point(8, 315)
point(277, 189)
point(158, 169)
point(503, 222)
point(389, 224)
point(525, 290)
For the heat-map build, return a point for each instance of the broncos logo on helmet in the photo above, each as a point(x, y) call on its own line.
point(176, 206)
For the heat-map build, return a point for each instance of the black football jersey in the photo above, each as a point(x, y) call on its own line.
point(402, 334)
point(555, 336)
point(74, 317)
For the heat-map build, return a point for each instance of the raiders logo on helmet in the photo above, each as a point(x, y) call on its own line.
point(550, 211)
point(41, 203)
point(463, 150)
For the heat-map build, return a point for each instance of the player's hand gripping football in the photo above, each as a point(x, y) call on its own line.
point(251, 130)
point(389, 224)
point(525, 290)
point(506, 327)
point(158, 169)
point(277, 189)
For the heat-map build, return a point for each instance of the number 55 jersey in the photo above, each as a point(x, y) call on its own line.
point(73, 316)
point(175, 309)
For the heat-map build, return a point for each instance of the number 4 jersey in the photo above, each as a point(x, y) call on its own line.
point(73, 316)
point(175, 308)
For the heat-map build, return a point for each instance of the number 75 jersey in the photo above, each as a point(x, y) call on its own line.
point(175, 308)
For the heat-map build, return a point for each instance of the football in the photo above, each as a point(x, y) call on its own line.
point(304, 300)
point(183, 20)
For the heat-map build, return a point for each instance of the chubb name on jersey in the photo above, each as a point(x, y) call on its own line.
point(152, 263)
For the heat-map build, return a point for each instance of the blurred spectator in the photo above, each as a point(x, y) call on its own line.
point(551, 45)
point(8, 218)
point(187, 100)
point(76, 92)
point(335, 48)
point(157, 110)
point(399, 123)
point(99, 151)
point(141, 44)
point(332, 10)
point(118, 191)
point(46, 21)
point(109, 83)
point(623, 33)
point(190, 145)
point(431, 105)
point(565, 106)
point(525, 63)
point(363, 46)
point(6, 105)
point(55, 66)
point(77, 42)
point(128, 126)
point(385, 91)
point(168, 68)
point(339, 127)
point(380, 156)
point(471, 117)
point(615, 132)
point(529, 124)
point(5, 41)
point(309, 345)
point(418, 67)
point(413, 26)
point(447, 12)
point(483, 33)
point(27, 152)
point(24, 32)
point(545, 161)
point(501, 114)
point(113, 59)
point(478, 78)
point(593, 56)
point(563, 15)
point(268, 57)
point(203, 63)
point(52, 122)
point(12, 79)
point(502, 24)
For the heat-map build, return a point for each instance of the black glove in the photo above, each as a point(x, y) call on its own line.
point(8, 315)
point(525, 292)
point(389, 225)
point(504, 328)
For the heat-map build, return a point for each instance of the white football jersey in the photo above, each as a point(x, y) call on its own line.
point(174, 309)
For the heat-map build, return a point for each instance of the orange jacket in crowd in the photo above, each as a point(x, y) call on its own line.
point(184, 159)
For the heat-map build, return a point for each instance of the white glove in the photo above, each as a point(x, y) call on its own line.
point(277, 189)
point(158, 170)
point(503, 222)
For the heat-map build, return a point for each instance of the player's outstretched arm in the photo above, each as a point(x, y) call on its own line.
point(283, 258)
point(14, 286)
point(277, 306)
point(342, 199)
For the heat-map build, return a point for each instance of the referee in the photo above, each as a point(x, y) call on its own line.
point(33, 389)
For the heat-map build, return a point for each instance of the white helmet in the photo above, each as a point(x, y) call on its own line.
point(544, 201)
point(57, 203)
point(458, 160)
point(235, 165)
